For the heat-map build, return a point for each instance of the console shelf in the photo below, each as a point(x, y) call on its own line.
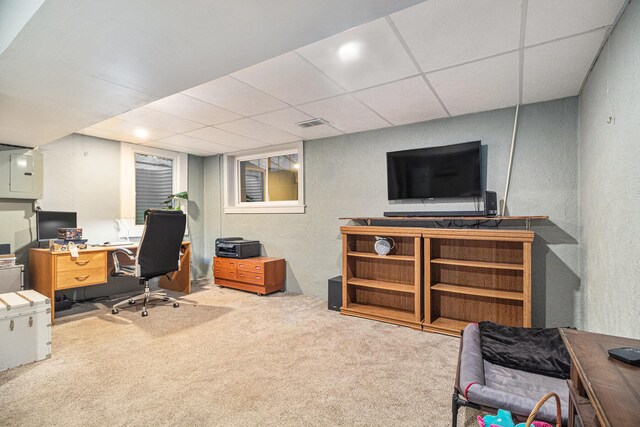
point(470, 290)
point(380, 313)
point(438, 279)
point(408, 258)
point(446, 326)
point(479, 264)
point(475, 275)
point(380, 284)
point(385, 288)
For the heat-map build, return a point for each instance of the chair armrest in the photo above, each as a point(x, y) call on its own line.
point(116, 261)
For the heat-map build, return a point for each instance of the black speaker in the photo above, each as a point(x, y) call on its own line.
point(490, 203)
point(335, 293)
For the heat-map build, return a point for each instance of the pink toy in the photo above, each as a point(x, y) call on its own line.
point(504, 419)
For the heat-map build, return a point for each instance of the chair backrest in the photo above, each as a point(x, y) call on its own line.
point(159, 250)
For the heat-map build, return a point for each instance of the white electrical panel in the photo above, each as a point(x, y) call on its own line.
point(21, 174)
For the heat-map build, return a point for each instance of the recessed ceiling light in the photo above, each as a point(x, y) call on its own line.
point(349, 51)
point(141, 133)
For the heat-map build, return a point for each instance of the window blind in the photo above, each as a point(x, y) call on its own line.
point(154, 183)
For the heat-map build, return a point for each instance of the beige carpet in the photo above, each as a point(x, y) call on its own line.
point(234, 359)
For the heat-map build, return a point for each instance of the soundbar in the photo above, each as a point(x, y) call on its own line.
point(435, 213)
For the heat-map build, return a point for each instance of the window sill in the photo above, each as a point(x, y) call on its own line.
point(296, 209)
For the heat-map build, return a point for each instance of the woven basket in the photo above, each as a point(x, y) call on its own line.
point(541, 402)
point(531, 420)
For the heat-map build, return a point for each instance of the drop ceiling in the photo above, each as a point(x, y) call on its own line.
point(69, 64)
point(438, 58)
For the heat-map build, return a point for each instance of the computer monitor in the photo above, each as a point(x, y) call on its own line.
point(48, 222)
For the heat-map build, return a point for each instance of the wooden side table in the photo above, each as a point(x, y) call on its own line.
point(262, 275)
point(602, 391)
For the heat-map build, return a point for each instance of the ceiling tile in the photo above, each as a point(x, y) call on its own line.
point(286, 120)
point(552, 19)
point(443, 33)
point(114, 136)
point(179, 149)
point(345, 113)
point(405, 101)
point(193, 109)
point(188, 142)
point(289, 78)
point(259, 131)
point(480, 86)
point(222, 137)
point(146, 117)
point(236, 96)
point(364, 56)
point(557, 69)
point(78, 62)
point(125, 127)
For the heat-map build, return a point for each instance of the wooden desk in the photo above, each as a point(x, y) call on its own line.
point(52, 271)
point(602, 391)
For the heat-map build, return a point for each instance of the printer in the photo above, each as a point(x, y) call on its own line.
point(237, 247)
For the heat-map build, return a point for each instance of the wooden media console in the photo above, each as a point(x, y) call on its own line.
point(438, 280)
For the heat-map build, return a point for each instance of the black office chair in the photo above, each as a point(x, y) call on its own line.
point(158, 254)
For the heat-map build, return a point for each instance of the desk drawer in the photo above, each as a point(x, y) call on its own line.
point(250, 277)
point(81, 277)
point(84, 261)
point(251, 266)
point(224, 262)
point(224, 272)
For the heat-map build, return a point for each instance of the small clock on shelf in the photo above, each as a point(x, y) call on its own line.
point(384, 245)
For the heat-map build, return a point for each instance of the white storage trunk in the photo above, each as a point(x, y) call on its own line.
point(25, 328)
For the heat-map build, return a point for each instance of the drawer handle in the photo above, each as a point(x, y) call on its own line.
point(82, 278)
point(258, 267)
point(258, 277)
point(81, 263)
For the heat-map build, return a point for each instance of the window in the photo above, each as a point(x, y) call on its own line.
point(147, 176)
point(154, 182)
point(265, 181)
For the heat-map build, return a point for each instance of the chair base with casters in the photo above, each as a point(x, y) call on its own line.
point(146, 297)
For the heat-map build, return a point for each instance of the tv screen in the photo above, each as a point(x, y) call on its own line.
point(448, 171)
point(48, 222)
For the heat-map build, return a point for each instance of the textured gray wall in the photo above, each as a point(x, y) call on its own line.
point(346, 176)
point(196, 216)
point(610, 183)
point(82, 174)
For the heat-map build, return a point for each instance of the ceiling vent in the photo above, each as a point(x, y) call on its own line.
point(312, 122)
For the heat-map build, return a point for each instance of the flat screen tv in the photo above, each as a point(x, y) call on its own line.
point(450, 171)
point(48, 222)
